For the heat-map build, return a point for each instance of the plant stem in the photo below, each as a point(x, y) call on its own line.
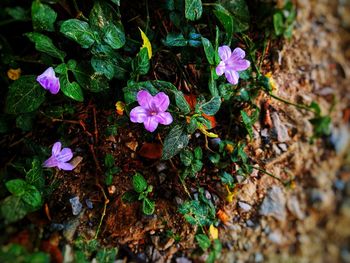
point(300, 106)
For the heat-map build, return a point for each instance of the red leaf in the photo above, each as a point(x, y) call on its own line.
point(151, 150)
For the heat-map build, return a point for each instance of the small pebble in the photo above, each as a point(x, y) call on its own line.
point(76, 205)
point(89, 204)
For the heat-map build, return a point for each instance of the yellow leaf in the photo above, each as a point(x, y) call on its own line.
point(14, 74)
point(229, 148)
point(214, 232)
point(146, 43)
point(271, 81)
point(201, 127)
point(230, 195)
point(120, 106)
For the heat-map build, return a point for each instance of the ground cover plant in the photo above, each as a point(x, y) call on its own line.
point(118, 112)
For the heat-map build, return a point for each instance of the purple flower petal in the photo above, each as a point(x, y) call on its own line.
point(151, 123)
point(65, 166)
point(49, 81)
point(161, 101)
point(164, 118)
point(232, 76)
point(51, 162)
point(138, 114)
point(220, 69)
point(241, 64)
point(56, 148)
point(144, 99)
point(238, 53)
point(224, 52)
point(54, 86)
point(65, 155)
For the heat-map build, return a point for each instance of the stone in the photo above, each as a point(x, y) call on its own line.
point(279, 128)
point(76, 205)
point(274, 204)
point(276, 237)
point(244, 206)
point(294, 207)
point(247, 192)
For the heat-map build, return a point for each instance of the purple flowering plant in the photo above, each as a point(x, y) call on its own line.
point(231, 63)
point(60, 158)
point(151, 110)
point(49, 81)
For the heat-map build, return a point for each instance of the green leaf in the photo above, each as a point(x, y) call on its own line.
point(90, 80)
point(175, 141)
point(193, 9)
point(203, 241)
point(104, 18)
point(16, 253)
point(32, 196)
point(115, 36)
point(45, 44)
point(181, 102)
point(321, 125)
point(71, 89)
point(43, 16)
point(103, 66)
point(18, 13)
point(148, 206)
point(278, 23)
point(211, 107)
point(247, 123)
point(79, 31)
point(25, 121)
point(109, 160)
point(129, 197)
point(212, 83)
point(239, 12)
point(140, 64)
point(214, 158)
point(225, 19)
point(197, 165)
point(25, 95)
point(139, 183)
point(35, 175)
point(209, 51)
point(106, 255)
point(198, 153)
point(314, 105)
point(13, 208)
point(227, 179)
point(175, 40)
point(17, 187)
point(186, 157)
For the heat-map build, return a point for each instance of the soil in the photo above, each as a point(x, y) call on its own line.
point(306, 219)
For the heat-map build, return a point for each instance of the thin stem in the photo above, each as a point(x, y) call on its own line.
point(104, 210)
point(147, 17)
point(300, 106)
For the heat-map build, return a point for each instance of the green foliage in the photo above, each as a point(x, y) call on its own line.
point(203, 241)
point(25, 95)
point(283, 20)
point(79, 31)
point(212, 106)
point(16, 253)
point(321, 123)
point(90, 250)
point(111, 169)
point(70, 89)
point(140, 192)
point(248, 123)
point(45, 44)
point(199, 212)
point(193, 9)
point(175, 141)
point(192, 161)
point(209, 51)
point(140, 64)
point(43, 16)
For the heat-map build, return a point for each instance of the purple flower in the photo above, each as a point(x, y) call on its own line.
point(59, 158)
point(49, 81)
point(231, 63)
point(151, 110)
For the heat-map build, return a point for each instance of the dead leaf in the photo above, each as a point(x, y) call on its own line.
point(151, 150)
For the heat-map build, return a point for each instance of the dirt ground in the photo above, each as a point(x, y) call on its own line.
point(306, 220)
